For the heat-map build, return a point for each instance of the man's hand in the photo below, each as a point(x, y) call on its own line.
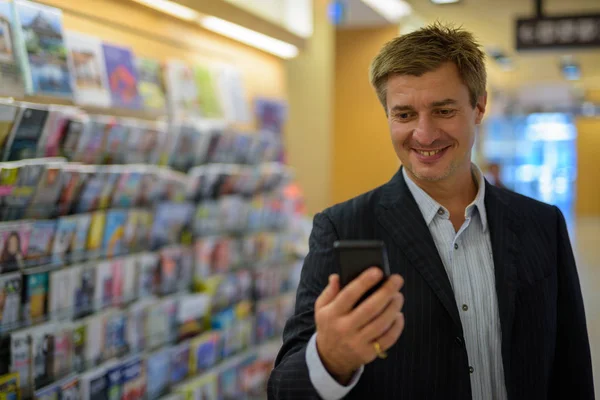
point(345, 336)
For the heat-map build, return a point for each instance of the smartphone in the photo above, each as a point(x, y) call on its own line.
point(355, 256)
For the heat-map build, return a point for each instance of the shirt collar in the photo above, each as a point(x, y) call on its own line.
point(430, 208)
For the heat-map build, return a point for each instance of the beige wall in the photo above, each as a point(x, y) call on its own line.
point(588, 167)
point(310, 95)
point(363, 157)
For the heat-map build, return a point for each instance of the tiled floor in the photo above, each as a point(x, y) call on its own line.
point(586, 243)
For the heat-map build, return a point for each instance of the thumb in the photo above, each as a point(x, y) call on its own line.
point(329, 293)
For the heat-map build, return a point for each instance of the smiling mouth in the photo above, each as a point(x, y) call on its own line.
point(429, 153)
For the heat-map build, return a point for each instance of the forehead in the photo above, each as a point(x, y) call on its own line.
point(439, 84)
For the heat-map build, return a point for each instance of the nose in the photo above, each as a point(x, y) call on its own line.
point(425, 133)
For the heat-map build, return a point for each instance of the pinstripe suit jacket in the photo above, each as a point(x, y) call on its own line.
point(545, 346)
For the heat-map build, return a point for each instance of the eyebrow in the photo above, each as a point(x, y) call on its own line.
point(441, 103)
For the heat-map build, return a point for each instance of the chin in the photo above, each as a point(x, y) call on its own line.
point(430, 173)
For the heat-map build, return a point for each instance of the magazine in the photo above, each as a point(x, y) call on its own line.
point(187, 146)
point(136, 325)
point(42, 353)
point(96, 329)
point(104, 285)
point(96, 233)
point(171, 219)
point(145, 142)
point(206, 387)
point(42, 52)
point(88, 70)
point(74, 177)
point(128, 187)
point(35, 297)
point(92, 141)
point(180, 362)
point(134, 379)
point(80, 239)
point(113, 243)
point(8, 111)
point(41, 241)
point(63, 239)
point(10, 70)
point(158, 373)
point(208, 97)
point(43, 203)
point(157, 325)
point(29, 174)
point(14, 243)
point(114, 383)
point(148, 275)
point(79, 346)
point(116, 140)
point(21, 358)
point(9, 387)
point(62, 293)
point(117, 277)
point(191, 312)
point(233, 96)
point(10, 300)
point(70, 388)
point(182, 92)
point(63, 350)
point(94, 384)
point(204, 352)
point(50, 392)
point(115, 335)
point(64, 139)
point(129, 278)
point(84, 289)
point(150, 84)
point(122, 77)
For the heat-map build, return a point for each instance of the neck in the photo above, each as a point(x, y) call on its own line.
point(454, 193)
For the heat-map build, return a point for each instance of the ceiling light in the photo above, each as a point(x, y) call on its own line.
point(392, 10)
point(444, 1)
point(172, 8)
point(266, 43)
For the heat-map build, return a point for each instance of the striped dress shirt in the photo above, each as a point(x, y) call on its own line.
point(468, 260)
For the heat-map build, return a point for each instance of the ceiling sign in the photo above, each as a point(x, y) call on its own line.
point(558, 32)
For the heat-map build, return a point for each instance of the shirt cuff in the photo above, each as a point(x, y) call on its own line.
point(327, 387)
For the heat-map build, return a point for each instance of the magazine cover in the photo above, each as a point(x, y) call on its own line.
point(128, 187)
point(63, 350)
point(8, 111)
point(191, 312)
point(74, 177)
point(84, 289)
point(42, 52)
point(92, 142)
point(79, 346)
point(113, 243)
point(148, 276)
point(204, 352)
point(169, 260)
point(21, 358)
point(9, 387)
point(170, 220)
point(35, 303)
point(29, 175)
point(95, 195)
point(117, 276)
point(114, 383)
point(230, 86)
point(55, 130)
point(134, 379)
point(182, 92)
point(9, 175)
point(206, 387)
point(93, 384)
point(104, 285)
point(170, 305)
point(116, 140)
point(150, 84)
point(88, 71)
point(10, 70)
point(129, 278)
point(42, 353)
point(70, 388)
point(62, 293)
point(116, 335)
point(11, 286)
point(136, 325)
point(145, 143)
point(208, 97)
point(96, 233)
point(158, 373)
point(80, 239)
point(122, 77)
point(157, 325)
point(43, 202)
point(96, 329)
point(50, 392)
point(180, 362)
point(63, 141)
point(14, 242)
point(63, 239)
point(185, 154)
point(41, 241)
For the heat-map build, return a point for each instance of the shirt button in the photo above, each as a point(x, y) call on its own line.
point(440, 212)
point(455, 246)
point(471, 370)
point(465, 307)
point(459, 341)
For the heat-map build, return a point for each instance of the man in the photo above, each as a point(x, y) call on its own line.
point(493, 304)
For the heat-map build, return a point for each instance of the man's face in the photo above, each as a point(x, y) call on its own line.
point(432, 122)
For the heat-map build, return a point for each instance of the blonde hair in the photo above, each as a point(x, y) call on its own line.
point(427, 49)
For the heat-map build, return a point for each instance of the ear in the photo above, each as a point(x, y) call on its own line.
point(480, 108)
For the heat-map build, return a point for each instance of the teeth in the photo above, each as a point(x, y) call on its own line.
point(429, 153)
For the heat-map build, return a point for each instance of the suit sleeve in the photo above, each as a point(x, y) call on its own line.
point(572, 372)
point(290, 379)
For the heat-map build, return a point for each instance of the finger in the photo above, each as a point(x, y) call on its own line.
point(380, 325)
point(391, 336)
point(329, 293)
point(377, 302)
point(350, 294)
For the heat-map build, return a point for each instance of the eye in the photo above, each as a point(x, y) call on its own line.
point(445, 112)
point(404, 116)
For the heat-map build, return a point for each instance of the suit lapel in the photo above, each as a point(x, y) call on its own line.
point(400, 215)
point(504, 225)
